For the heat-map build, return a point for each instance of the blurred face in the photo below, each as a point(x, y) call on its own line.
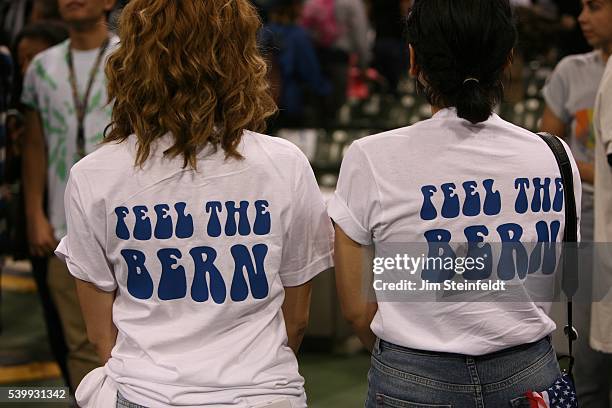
point(596, 23)
point(84, 12)
point(27, 50)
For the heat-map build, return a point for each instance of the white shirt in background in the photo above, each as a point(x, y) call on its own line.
point(601, 313)
point(47, 89)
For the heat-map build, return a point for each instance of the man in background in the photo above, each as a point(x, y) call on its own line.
point(65, 92)
point(32, 40)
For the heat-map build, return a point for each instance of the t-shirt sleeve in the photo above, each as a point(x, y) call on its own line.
point(308, 240)
point(83, 247)
point(556, 93)
point(29, 94)
point(355, 204)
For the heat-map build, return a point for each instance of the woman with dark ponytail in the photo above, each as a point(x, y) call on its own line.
point(452, 320)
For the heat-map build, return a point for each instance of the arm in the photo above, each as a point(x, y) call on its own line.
point(587, 171)
point(40, 233)
point(97, 309)
point(552, 124)
point(555, 126)
point(296, 309)
point(356, 309)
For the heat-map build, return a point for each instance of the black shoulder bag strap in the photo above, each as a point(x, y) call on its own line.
point(569, 278)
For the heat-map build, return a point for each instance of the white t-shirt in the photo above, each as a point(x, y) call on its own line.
point(570, 93)
point(402, 186)
point(601, 315)
point(199, 261)
point(47, 90)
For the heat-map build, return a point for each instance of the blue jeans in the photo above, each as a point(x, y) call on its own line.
point(123, 403)
point(405, 378)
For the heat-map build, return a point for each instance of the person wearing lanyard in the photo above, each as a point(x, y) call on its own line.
point(65, 93)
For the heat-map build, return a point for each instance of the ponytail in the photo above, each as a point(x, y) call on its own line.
point(472, 102)
point(461, 48)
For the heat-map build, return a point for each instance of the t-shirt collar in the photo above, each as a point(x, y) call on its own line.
point(167, 141)
point(451, 112)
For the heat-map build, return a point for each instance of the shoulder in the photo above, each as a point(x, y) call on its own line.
point(531, 143)
point(436, 131)
point(113, 44)
point(108, 156)
point(516, 132)
point(608, 71)
point(46, 63)
point(575, 62)
point(273, 147)
point(52, 55)
point(604, 94)
point(274, 155)
point(410, 133)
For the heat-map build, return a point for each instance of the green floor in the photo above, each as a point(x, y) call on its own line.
point(335, 381)
point(331, 380)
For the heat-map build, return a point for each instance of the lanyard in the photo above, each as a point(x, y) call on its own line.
point(80, 105)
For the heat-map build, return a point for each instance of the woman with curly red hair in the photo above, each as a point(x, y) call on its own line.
point(192, 238)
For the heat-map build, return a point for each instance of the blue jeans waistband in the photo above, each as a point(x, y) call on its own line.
point(123, 403)
point(382, 344)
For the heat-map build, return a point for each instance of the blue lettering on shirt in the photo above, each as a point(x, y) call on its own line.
point(172, 222)
point(531, 195)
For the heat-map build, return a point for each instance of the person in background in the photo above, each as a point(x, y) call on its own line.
point(192, 238)
point(570, 94)
point(353, 30)
point(451, 179)
point(6, 76)
point(300, 84)
point(65, 97)
point(340, 30)
point(32, 40)
point(390, 55)
point(601, 315)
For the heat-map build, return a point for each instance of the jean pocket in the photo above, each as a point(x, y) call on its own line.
point(384, 401)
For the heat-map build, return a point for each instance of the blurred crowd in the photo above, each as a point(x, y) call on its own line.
point(324, 53)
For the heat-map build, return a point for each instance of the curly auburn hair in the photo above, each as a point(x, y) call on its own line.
point(190, 68)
